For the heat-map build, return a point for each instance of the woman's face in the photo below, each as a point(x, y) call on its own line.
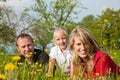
point(81, 49)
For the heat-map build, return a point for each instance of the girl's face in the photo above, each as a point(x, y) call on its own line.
point(81, 49)
point(60, 39)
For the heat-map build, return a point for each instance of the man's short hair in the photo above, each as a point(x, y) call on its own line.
point(23, 35)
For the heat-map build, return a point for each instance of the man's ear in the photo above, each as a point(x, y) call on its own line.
point(18, 49)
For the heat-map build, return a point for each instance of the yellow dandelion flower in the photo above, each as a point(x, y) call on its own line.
point(28, 54)
point(97, 74)
point(20, 63)
point(36, 63)
point(34, 40)
point(35, 53)
point(39, 70)
point(16, 58)
point(32, 66)
point(10, 66)
point(49, 75)
point(2, 76)
point(114, 53)
point(106, 21)
point(112, 57)
point(33, 72)
point(1, 53)
point(40, 65)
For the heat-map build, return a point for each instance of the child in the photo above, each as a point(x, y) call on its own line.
point(60, 54)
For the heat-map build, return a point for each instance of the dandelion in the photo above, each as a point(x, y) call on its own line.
point(28, 54)
point(10, 66)
point(2, 76)
point(97, 74)
point(114, 53)
point(112, 57)
point(1, 53)
point(106, 21)
point(39, 70)
point(49, 75)
point(33, 72)
point(20, 63)
point(36, 63)
point(16, 58)
point(40, 65)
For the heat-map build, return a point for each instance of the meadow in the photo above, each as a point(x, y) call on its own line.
point(9, 69)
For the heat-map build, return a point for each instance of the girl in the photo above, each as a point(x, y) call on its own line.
point(60, 54)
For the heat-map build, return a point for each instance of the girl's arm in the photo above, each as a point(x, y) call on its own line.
point(51, 66)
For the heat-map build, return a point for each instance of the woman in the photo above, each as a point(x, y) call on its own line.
point(88, 60)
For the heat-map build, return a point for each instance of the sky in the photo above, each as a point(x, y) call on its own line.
point(94, 7)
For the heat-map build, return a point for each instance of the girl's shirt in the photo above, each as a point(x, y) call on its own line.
point(62, 59)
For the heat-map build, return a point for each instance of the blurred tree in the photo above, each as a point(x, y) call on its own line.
point(110, 20)
point(7, 29)
point(105, 28)
point(51, 15)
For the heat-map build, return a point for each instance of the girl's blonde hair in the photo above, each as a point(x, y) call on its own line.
point(60, 29)
point(86, 37)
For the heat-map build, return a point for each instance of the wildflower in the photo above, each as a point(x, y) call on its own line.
point(112, 57)
point(49, 75)
point(39, 70)
point(16, 58)
point(2, 76)
point(1, 53)
point(97, 74)
point(20, 63)
point(33, 72)
point(28, 54)
point(114, 53)
point(36, 63)
point(106, 21)
point(40, 65)
point(10, 66)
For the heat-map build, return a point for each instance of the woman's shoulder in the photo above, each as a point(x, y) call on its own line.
point(100, 54)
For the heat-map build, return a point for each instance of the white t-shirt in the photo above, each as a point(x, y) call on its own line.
point(62, 59)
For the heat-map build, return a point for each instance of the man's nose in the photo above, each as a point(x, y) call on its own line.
point(27, 48)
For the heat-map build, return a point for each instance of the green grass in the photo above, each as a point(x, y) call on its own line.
point(36, 72)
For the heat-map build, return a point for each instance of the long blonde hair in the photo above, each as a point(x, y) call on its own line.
point(86, 37)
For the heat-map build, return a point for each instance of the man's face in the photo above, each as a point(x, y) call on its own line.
point(25, 46)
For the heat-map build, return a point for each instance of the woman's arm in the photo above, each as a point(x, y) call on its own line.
point(71, 70)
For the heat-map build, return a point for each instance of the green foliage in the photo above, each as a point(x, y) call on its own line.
point(105, 28)
point(7, 34)
point(7, 28)
point(37, 71)
point(51, 15)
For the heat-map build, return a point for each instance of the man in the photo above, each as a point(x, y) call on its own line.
point(25, 46)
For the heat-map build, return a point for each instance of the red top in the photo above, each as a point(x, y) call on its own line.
point(103, 64)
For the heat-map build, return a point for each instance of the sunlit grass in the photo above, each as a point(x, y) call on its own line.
point(10, 70)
